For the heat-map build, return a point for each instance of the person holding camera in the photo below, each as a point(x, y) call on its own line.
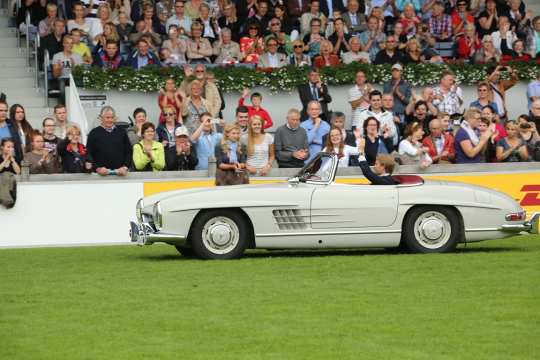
point(529, 134)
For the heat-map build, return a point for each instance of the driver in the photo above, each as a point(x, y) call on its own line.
point(382, 169)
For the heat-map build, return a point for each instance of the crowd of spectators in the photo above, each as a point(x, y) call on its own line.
point(437, 125)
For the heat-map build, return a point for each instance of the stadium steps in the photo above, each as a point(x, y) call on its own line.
point(17, 79)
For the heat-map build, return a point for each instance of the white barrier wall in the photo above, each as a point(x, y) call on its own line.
point(63, 213)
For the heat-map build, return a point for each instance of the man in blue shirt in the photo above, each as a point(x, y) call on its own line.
point(142, 56)
point(316, 129)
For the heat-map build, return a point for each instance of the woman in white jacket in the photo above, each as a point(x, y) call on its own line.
point(335, 144)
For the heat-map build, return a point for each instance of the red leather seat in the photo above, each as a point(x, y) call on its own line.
point(408, 179)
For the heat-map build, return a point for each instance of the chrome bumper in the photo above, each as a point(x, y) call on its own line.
point(530, 226)
point(144, 234)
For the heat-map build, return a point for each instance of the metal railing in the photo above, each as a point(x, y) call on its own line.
point(46, 64)
point(27, 35)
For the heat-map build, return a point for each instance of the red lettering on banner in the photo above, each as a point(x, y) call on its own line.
point(531, 197)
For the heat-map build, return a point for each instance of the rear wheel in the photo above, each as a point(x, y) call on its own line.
point(431, 229)
point(219, 234)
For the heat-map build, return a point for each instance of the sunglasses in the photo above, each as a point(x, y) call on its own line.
point(275, 24)
point(169, 114)
point(298, 46)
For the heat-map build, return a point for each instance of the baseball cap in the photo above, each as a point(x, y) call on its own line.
point(181, 131)
point(397, 67)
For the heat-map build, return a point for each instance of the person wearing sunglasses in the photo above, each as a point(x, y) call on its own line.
point(165, 131)
point(298, 58)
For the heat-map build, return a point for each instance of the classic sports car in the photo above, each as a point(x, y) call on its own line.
point(311, 211)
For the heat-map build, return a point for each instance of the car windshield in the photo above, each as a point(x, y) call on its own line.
point(320, 169)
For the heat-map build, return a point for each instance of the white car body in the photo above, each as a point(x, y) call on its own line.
point(316, 213)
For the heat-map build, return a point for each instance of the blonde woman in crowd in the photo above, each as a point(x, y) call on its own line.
point(512, 148)
point(411, 150)
point(231, 158)
point(260, 147)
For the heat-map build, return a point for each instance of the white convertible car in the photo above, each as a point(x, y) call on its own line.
point(311, 211)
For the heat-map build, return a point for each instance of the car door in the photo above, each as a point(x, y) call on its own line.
point(353, 206)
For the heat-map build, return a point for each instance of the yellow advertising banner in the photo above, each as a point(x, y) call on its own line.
point(524, 187)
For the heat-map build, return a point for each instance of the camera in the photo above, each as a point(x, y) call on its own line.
point(214, 121)
point(525, 126)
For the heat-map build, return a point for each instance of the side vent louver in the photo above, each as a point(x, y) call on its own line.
point(290, 219)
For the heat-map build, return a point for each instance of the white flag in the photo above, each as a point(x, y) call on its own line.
point(76, 114)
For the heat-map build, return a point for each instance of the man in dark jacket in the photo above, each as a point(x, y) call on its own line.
point(142, 56)
point(315, 90)
point(182, 156)
point(384, 165)
point(108, 146)
point(8, 130)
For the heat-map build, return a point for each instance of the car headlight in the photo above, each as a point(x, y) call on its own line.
point(157, 216)
point(138, 210)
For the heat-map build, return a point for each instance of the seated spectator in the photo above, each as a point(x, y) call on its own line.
point(355, 54)
point(256, 108)
point(409, 20)
point(166, 130)
point(46, 25)
point(289, 21)
point(81, 48)
point(354, 17)
point(176, 45)
point(119, 8)
point(271, 58)
point(277, 32)
point(411, 151)
point(261, 16)
point(152, 22)
point(142, 56)
point(307, 25)
point(72, 153)
point(374, 142)
point(183, 155)
point(98, 25)
point(225, 50)
point(170, 96)
point(37, 12)
point(335, 144)
point(315, 128)
point(80, 22)
point(179, 19)
point(512, 148)
point(429, 53)
point(467, 44)
point(447, 96)
point(340, 38)
point(205, 139)
point(231, 157)
point(382, 168)
point(401, 37)
point(439, 143)
point(124, 27)
point(260, 147)
point(242, 119)
point(461, 17)
point(109, 57)
point(252, 45)
point(40, 159)
point(418, 111)
point(373, 38)
point(390, 54)
point(148, 154)
point(440, 24)
point(291, 142)
point(504, 32)
point(134, 132)
point(18, 122)
point(210, 26)
point(484, 97)
point(143, 29)
point(516, 53)
point(412, 53)
point(8, 169)
point(108, 146)
point(194, 105)
point(64, 61)
point(314, 37)
point(530, 136)
point(487, 53)
point(467, 143)
point(534, 114)
point(199, 49)
point(53, 42)
point(230, 21)
point(298, 58)
point(109, 33)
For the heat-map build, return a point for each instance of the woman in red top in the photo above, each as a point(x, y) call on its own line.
point(326, 58)
point(461, 17)
point(468, 44)
point(170, 96)
point(252, 45)
point(255, 108)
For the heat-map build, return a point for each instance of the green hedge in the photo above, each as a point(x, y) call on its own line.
point(151, 78)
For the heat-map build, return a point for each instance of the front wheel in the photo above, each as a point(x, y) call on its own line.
point(219, 234)
point(431, 229)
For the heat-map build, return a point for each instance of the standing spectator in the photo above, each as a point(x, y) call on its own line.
point(335, 144)
point(148, 154)
point(73, 153)
point(418, 111)
point(533, 38)
point(411, 150)
point(272, 59)
point(255, 108)
point(484, 97)
point(183, 155)
point(291, 142)
point(231, 157)
point(199, 48)
point(315, 128)
point(439, 144)
point(488, 153)
point(242, 119)
point(61, 121)
point(534, 114)
point(448, 97)
point(17, 119)
point(134, 132)
point(374, 143)
point(533, 90)
point(512, 148)
point(530, 136)
point(355, 54)
point(8, 130)
point(440, 24)
point(375, 110)
point(108, 146)
point(373, 38)
point(205, 139)
point(400, 89)
point(354, 17)
point(326, 58)
point(338, 122)
point(50, 139)
point(259, 145)
point(468, 144)
point(390, 122)
point(8, 169)
point(142, 56)
point(194, 105)
point(166, 130)
point(390, 54)
point(497, 129)
point(315, 90)
point(359, 96)
point(500, 85)
point(109, 58)
point(40, 159)
point(170, 96)
point(298, 58)
point(210, 92)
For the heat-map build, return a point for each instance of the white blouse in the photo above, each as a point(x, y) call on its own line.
point(348, 151)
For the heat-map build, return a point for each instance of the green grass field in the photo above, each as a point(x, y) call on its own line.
point(124, 302)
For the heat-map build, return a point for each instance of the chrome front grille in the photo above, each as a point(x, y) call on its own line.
point(290, 219)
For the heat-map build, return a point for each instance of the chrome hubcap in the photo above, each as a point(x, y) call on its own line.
point(220, 235)
point(432, 229)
